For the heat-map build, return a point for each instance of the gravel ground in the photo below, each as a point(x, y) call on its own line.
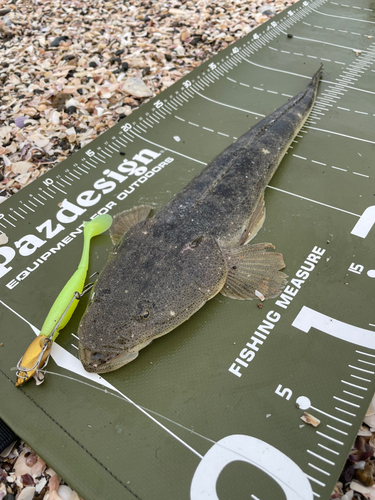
point(69, 71)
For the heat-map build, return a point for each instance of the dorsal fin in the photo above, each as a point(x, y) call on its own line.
point(123, 221)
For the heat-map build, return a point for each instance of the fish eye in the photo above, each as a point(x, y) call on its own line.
point(145, 314)
point(144, 311)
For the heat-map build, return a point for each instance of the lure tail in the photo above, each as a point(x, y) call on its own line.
point(37, 354)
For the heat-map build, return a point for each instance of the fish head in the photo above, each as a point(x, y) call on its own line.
point(144, 294)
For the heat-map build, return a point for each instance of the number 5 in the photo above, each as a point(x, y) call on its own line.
point(283, 392)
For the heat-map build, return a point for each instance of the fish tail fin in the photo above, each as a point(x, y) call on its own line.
point(315, 79)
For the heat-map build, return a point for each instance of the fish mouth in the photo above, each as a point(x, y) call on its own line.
point(103, 362)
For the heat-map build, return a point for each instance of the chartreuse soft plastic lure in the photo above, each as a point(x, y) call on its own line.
point(62, 309)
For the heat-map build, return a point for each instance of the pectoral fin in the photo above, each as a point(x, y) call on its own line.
point(123, 221)
point(255, 223)
point(253, 272)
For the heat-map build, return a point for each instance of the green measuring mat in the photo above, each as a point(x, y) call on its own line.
point(213, 409)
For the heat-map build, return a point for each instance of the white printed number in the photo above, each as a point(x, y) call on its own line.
point(158, 104)
point(186, 84)
point(257, 453)
point(355, 268)
point(284, 393)
point(307, 318)
point(126, 127)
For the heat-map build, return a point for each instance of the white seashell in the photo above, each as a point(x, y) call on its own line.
point(71, 102)
point(364, 432)
point(6, 160)
point(310, 419)
point(3, 239)
point(64, 492)
point(259, 295)
point(136, 87)
point(21, 167)
point(74, 496)
point(27, 493)
point(55, 118)
point(39, 486)
point(369, 420)
point(23, 178)
point(348, 496)
point(180, 51)
point(356, 486)
point(371, 408)
point(359, 465)
point(38, 140)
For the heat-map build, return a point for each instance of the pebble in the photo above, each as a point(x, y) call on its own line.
point(71, 109)
point(56, 42)
point(364, 476)
point(114, 60)
point(141, 37)
point(27, 480)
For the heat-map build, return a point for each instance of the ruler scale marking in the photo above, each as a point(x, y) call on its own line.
point(146, 135)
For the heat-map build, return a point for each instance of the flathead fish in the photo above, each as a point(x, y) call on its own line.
point(164, 268)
